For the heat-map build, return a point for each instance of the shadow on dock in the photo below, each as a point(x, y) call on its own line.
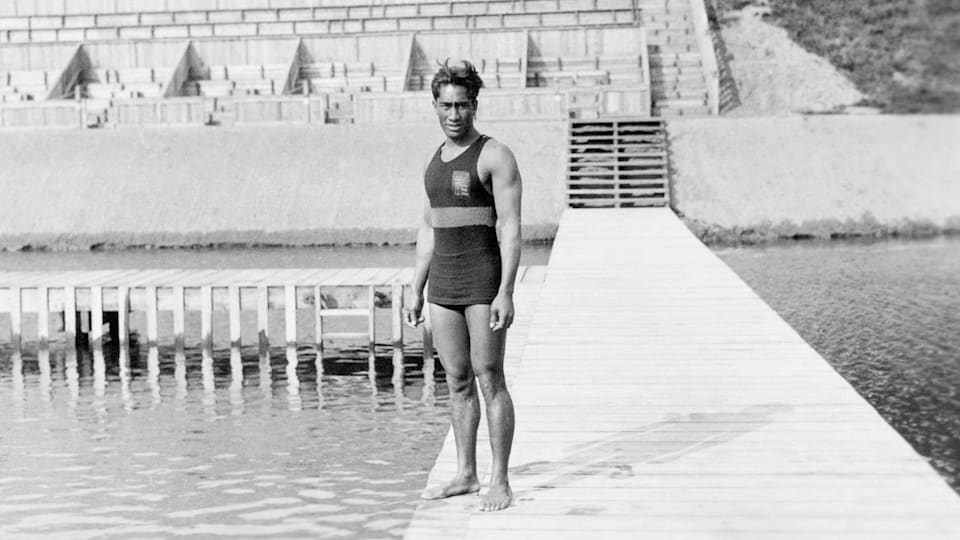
point(614, 456)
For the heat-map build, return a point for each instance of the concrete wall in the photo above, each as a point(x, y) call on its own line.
point(734, 179)
point(820, 176)
point(287, 184)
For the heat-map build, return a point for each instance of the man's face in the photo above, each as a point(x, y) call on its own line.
point(455, 110)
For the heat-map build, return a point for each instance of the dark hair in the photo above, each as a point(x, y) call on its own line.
point(463, 73)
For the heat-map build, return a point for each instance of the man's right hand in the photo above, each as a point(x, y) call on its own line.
point(413, 315)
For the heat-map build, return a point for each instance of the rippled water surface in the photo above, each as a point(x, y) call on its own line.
point(233, 446)
point(886, 315)
point(237, 446)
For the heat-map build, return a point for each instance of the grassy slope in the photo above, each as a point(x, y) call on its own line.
point(905, 54)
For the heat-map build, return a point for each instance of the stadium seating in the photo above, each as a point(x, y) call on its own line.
point(24, 85)
point(342, 60)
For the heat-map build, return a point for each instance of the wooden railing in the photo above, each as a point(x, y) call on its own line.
point(48, 8)
point(520, 104)
point(309, 26)
point(54, 113)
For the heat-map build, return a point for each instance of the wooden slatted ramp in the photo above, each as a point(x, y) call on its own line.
point(617, 163)
point(657, 396)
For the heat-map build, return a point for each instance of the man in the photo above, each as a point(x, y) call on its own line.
point(473, 187)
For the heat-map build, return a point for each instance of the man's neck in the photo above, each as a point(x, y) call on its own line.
point(467, 139)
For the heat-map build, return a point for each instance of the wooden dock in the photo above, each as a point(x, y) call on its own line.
point(86, 301)
point(657, 396)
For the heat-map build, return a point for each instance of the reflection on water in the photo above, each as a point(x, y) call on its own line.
point(886, 315)
point(161, 443)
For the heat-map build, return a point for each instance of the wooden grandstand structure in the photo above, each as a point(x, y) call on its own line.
point(616, 63)
point(113, 62)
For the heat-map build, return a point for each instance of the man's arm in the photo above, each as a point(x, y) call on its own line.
point(414, 315)
point(507, 191)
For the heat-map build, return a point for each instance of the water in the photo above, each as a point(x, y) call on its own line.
point(237, 446)
point(242, 447)
point(886, 315)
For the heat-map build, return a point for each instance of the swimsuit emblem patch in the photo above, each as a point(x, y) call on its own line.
point(460, 183)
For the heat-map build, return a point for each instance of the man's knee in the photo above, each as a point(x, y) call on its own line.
point(492, 381)
point(460, 382)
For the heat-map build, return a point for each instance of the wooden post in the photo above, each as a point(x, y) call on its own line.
point(16, 319)
point(233, 293)
point(263, 319)
point(84, 322)
point(178, 317)
point(318, 318)
point(70, 318)
point(43, 318)
point(397, 320)
point(153, 333)
point(96, 318)
point(123, 315)
point(371, 317)
point(123, 340)
point(290, 312)
point(206, 319)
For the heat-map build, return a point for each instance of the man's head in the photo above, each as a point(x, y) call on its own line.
point(455, 89)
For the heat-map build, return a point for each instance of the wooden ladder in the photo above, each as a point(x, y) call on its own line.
point(615, 163)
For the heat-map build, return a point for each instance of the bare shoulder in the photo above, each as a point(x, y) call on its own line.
point(495, 150)
point(496, 157)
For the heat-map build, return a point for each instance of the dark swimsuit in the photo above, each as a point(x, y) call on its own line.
point(465, 268)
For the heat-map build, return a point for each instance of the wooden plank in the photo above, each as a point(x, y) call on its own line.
point(96, 318)
point(43, 318)
point(343, 276)
point(123, 335)
point(703, 415)
point(345, 312)
point(206, 318)
point(396, 320)
point(16, 318)
point(69, 318)
point(263, 319)
point(366, 275)
point(123, 315)
point(290, 314)
point(372, 317)
point(318, 324)
point(348, 335)
point(233, 292)
point(179, 315)
point(152, 311)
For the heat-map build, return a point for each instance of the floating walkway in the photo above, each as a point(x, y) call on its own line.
point(658, 397)
point(86, 301)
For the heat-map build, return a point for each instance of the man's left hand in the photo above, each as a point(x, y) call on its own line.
point(501, 312)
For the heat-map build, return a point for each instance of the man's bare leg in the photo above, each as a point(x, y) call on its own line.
point(453, 345)
point(486, 357)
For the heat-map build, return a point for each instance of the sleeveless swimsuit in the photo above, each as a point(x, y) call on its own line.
point(465, 268)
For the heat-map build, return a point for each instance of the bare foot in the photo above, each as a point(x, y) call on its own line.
point(457, 486)
point(498, 497)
